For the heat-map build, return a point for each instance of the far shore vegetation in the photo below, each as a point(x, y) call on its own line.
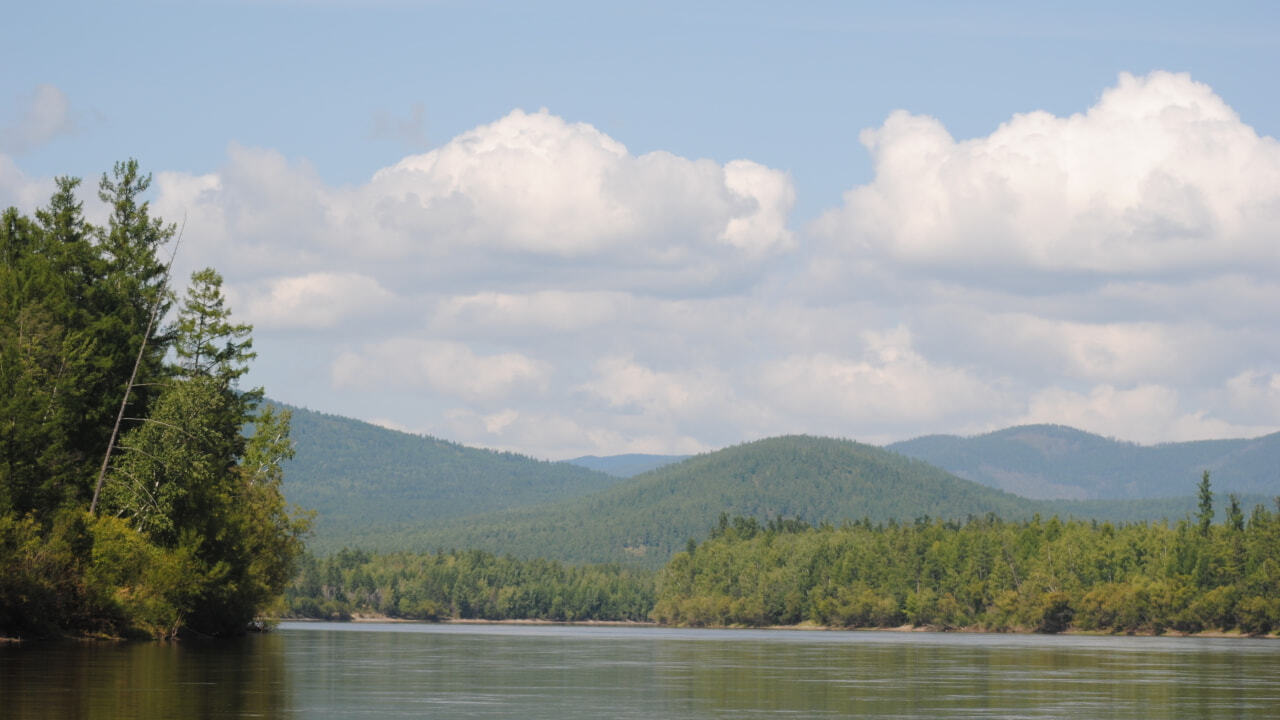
point(1047, 576)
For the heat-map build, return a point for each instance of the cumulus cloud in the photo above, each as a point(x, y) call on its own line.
point(561, 437)
point(1106, 351)
point(448, 368)
point(1255, 394)
point(536, 312)
point(1110, 270)
point(625, 384)
point(1145, 413)
point(45, 115)
point(316, 300)
point(528, 189)
point(889, 384)
point(20, 191)
point(1159, 175)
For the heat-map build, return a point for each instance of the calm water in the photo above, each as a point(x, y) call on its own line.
point(491, 671)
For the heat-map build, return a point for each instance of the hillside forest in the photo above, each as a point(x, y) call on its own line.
point(182, 527)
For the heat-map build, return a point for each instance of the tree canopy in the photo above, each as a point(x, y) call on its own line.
point(192, 532)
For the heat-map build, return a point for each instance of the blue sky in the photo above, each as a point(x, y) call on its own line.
point(638, 290)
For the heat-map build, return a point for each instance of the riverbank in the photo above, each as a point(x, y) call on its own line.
point(806, 626)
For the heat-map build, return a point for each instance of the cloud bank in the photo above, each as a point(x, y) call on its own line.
point(532, 284)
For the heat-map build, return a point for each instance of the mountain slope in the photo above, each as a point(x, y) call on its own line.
point(360, 477)
point(1052, 461)
point(645, 519)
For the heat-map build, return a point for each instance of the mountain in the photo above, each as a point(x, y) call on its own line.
point(360, 477)
point(625, 466)
point(1053, 461)
point(645, 519)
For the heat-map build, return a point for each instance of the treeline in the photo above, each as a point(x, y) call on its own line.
point(182, 526)
point(468, 584)
point(1036, 575)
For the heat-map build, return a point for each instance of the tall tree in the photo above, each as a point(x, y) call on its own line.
point(190, 480)
point(1205, 516)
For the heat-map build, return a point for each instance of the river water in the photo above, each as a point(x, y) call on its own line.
point(323, 670)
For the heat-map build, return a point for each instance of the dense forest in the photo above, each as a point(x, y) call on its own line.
point(468, 584)
point(131, 501)
point(1046, 576)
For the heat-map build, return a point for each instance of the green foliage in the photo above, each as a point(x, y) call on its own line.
point(986, 573)
point(1205, 492)
point(466, 585)
point(194, 534)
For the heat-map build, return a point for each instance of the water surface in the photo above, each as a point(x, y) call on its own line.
point(323, 670)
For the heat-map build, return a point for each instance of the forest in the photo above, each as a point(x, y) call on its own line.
point(466, 585)
point(984, 573)
point(132, 501)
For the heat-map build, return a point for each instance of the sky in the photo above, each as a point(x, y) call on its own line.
point(571, 228)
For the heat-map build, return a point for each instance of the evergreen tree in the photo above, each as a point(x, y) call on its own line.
point(1205, 516)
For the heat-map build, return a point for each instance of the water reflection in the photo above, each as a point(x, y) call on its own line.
point(226, 679)
point(391, 671)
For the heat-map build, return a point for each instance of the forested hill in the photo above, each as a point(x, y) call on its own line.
point(1052, 461)
point(359, 477)
point(645, 519)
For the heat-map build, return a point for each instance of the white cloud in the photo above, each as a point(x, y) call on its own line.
point(529, 189)
point(1110, 270)
point(539, 312)
point(45, 115)
point(1159, 175)
point(1114, 351)
point(1144, 413)
point(18, 190)
point(625, 384)
point(315, 300)
point(1255, 395)
point(444, 367)
point(889, 384)
point(561, 437)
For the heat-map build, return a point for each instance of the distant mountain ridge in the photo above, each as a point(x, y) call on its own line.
point(1055, 461)
point(381, 489)
point(627, 465)
point(645, 519)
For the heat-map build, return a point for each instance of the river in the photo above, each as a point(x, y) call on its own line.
point(376, 670)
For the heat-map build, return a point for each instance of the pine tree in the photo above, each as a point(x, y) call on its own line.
point(1205, 516)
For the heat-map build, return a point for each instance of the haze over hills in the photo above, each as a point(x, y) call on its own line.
point(1053, 461)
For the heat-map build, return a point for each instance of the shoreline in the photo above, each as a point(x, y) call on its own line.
point(807, 627)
